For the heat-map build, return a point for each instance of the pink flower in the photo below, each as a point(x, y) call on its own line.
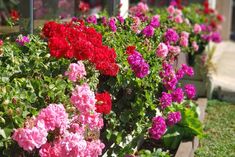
point(174, 49)
point(94, 148)
point(93, 120)
point(73, 145)
point(76, 71)
point(178, 19)
point(47, 150)
point(178, 12)
point(184, 39)
point(197, 28)
point(171, 10)
point(184, 42)
point(195, 46)
point(29, 138)
point(184, 34)
point(83, 98)
point(162, 50)
point(53, 116)
point(155, 21)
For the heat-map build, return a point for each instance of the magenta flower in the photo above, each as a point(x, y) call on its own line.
point(138, 64)
point(162, 50)
point(21, 40)
point(112, 24)
point(158, 128)
point(216, 37)
point(173, 118)
point(92, 19)
point(104, 21)
point(148, 31)
point(165, 100)
point(120, 19)
point(177, 95)
point(190, 91)
point(155, 21)
point(187, 70)
point(171, 36)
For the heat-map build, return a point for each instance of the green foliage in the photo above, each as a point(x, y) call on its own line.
point(186, 129)
point(155, 153)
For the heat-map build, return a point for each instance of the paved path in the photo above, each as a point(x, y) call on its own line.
point(223, 79)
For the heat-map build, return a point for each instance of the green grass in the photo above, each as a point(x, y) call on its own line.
point(219, 128)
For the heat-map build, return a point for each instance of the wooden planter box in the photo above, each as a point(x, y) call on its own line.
point(199, 79)
point(187, 148)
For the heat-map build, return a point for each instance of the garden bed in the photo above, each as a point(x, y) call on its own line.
point(187, 148)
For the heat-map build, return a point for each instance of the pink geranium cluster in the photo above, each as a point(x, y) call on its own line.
point(139, 10)
point(184, 37)
point(175, 15)
point(71, 137)
point(76, 71)
point(83, 98)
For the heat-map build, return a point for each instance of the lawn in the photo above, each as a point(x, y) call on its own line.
point(219, 127)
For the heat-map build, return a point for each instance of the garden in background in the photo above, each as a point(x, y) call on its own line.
point(101, 85)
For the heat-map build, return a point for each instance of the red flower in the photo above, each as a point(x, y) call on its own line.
point(14, 15)
point(1, 42)
point(76, 40)
point(84, 7)
point(130, 49)
point(220, 17)
point(104, 103)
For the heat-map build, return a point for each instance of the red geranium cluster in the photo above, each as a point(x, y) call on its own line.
point(104, 103)
point(74, 39)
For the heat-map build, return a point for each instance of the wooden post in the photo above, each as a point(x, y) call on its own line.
point(225, 8)
point(26, 16)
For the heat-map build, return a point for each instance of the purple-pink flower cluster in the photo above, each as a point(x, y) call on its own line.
point(171, 36)
point(139, 10)
point(138, 64)
point(165, 100)
point(190, 91)
point(173, 118)
point(112, 24)
point(177, 95)
point(158, 128)
point(168, 76)
point(21, 40)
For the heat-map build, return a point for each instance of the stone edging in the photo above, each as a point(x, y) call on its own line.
point(187, 149)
